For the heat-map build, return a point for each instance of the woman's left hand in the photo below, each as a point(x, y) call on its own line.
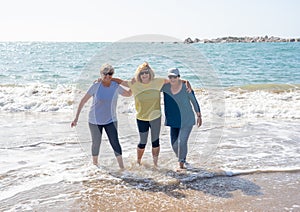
point(133, 80)
point(199, 121)
point(98, 80)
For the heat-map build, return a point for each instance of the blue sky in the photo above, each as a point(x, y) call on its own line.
point(112, 20)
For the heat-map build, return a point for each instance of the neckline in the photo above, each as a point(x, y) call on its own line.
point(176, 91)
point(106, 85)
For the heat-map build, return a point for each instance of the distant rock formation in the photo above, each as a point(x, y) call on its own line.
point(242, 40)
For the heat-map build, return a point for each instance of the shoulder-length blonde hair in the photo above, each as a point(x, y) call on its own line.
point(144, 67)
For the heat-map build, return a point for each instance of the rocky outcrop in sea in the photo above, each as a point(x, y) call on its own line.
point(242, 40)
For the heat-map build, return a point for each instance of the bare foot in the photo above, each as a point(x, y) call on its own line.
point(155, 160)
point(181, 170)
point(139, 162)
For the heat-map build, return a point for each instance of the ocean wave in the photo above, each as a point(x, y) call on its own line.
point(256, 171)
point(41, 143)
point(36, 97)
point(273, 101)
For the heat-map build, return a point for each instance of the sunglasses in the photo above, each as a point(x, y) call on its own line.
point(172, 77)
point(109, 73)
point(144, 72)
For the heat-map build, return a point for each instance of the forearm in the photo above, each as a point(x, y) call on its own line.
point(125, 83)
point(80, 106)
point(127, 93)
point(195, 103)
point(117, 80)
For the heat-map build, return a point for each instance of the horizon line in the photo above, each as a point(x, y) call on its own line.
point(132, 39)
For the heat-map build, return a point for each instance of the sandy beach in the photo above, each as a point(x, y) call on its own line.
point(257, 192)
point(254, 192)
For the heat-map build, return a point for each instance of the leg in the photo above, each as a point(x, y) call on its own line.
point(112, 134)
point(174, 132)
point(155, 131)
point(95, 160)
point(140, 153)
point(155, 153)
point(143, 127)
point(120, 161)
point(96, 134)
point(183, 137)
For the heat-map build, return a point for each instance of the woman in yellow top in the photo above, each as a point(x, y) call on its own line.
point(146, 91)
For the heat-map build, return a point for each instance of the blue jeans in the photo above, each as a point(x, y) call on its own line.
point(179, 139)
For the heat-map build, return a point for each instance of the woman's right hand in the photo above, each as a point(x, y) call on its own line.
point(74, 123)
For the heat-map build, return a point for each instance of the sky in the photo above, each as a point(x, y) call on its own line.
point(114, 20)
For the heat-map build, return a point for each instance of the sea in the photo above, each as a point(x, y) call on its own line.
point(249, 94)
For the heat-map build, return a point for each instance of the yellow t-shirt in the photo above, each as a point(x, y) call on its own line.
point(147, 99)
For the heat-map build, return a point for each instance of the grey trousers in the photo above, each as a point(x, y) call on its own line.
point(112, 134)
point(179, 139)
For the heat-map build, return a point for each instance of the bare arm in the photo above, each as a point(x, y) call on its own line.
point(127, 93)
point(117, 80)
point(188, 86)
point(125, 83)
point(166, 81)
point(80, 106)
point(120, 82)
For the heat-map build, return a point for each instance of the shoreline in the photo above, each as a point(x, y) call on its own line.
point(255, 192)
point(246, 39)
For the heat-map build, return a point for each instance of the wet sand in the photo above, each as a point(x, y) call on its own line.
point(255, 192)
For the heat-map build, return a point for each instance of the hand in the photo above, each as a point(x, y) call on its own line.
point(199, 121)
point(189, 90)
point(188, 87)
point(74, 123)
point(133, 80)
point(98, 80)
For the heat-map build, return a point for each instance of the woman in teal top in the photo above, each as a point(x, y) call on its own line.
point(179, 114)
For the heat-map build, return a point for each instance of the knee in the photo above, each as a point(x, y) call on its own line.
point(118, 153)
point(141, 146)
point(155, 143)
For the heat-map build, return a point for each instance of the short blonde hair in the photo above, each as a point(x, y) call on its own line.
point(144, 67)
point(106, 68)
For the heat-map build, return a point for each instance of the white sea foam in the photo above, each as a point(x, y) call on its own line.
point(36, 97)
point(225, 104)
point(252, 104)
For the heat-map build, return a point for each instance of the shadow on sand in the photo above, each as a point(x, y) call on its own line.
point(213, 183)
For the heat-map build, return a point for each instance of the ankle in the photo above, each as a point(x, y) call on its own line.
point(181, 165)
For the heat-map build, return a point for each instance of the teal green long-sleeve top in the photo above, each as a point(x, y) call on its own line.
point(178, 107)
